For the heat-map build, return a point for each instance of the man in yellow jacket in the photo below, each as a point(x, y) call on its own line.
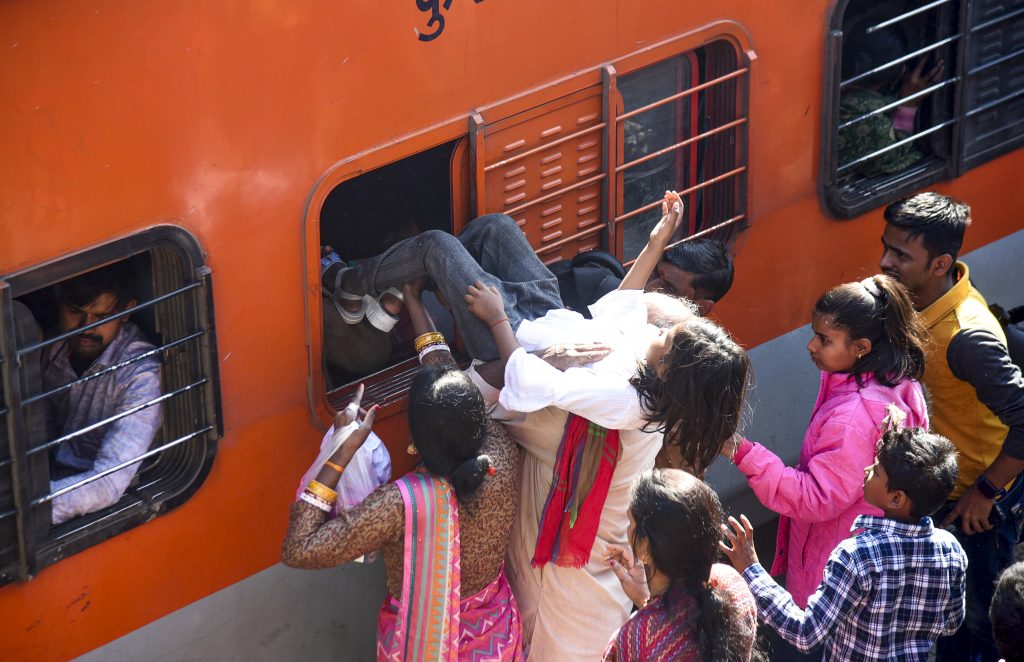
point(977, 398)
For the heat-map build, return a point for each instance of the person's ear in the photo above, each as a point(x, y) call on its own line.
point(897, 499)
point(862, 346)
point(705, 306)
point(941, 264)
point(131, 304)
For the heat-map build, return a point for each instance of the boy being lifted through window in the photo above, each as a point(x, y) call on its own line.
point(891, 590)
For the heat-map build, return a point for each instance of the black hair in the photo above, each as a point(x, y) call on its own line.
point(939, 220)
point(679, 517)
point(708, 261)
point(865, 51)
point(118, 279)
point(699, 402)
point(1007, 613)
point(922, 465)
point(879, 309)
point(448, 423)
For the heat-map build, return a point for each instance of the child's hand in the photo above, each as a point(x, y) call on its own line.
point(742, 554)
point(485, 302)
point(631, 575)
point(671, 215)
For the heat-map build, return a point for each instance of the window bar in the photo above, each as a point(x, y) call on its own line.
point(610, 101)
point(17, 434)
point(995, 62)
point(126, 463)
point(126, 311)
point(997, 20)
point(117, 417)
point(541, 148)
point(899, 102)
point(909, 14)
point(547, 248)
point(208, 353)
point(899, 143)
point(554, 194)
point(684, 192)
point(118, 366)
point(697, 235)
point(992, 104)
point(688, 141)
point(900, 60)
point(687, 92)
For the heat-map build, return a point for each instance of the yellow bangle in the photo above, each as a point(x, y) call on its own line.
point(322, 491)
point(336, 467)
point(426, 339)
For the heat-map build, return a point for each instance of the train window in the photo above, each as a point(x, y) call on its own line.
point(682, 127)
point(920, 91)
point(360, 218)
point(110, 406)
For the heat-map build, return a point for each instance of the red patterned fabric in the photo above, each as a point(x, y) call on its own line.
point(654, 634)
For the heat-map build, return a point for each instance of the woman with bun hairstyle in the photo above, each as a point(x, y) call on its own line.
point(443, 528)
point(869, 345)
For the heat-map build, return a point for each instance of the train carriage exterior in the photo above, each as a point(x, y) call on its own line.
point(217, 146)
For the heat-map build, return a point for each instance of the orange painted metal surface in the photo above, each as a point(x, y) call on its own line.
point(234, 120)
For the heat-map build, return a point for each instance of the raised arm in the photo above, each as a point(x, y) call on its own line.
point(422, 324)
point(661, 235)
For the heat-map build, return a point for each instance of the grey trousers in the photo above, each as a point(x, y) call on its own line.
point(491, 249)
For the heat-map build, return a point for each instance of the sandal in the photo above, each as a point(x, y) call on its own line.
point(379, 318)
point(337, 295)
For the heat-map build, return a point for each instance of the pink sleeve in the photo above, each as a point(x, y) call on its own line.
point(831, 482)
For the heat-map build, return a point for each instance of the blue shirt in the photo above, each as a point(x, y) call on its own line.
point(887, 594)
point(93, 401)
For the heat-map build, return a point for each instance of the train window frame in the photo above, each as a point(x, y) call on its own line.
point(961, 135)
point(389, 386)
point(181, 455)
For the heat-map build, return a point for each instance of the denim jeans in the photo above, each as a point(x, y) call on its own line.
point(988, 554)
point(491, 249)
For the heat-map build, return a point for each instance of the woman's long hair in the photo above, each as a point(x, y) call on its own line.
point(879, 309)
point(699, 401)
point(448, 423)
point(679, 517)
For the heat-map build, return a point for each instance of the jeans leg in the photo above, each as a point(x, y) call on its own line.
point(988, 554)
point(501, 249)
point(441, 257)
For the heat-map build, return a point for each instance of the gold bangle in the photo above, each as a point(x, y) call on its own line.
point(427, 338)
point(322, 491)
point(336, 467)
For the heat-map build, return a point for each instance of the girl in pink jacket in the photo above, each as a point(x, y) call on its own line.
point(869, 344)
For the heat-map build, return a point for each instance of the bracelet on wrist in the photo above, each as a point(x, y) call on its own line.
point(437, 347)
point(988, 489)
point(429, 338)
point(496, 323)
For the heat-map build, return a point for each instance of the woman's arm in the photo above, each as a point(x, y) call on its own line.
point(422, 323)
point(485, 302)
point(661, 235)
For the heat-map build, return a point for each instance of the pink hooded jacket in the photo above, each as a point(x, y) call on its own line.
point(819, 498)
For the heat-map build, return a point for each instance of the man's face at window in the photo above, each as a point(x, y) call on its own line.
point(670, 279)
point(89, 345)
point(905, 258)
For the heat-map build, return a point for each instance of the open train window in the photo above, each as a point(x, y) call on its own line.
point(110, 409)
point(917, 91)
point(360, 218)
point(683, 127)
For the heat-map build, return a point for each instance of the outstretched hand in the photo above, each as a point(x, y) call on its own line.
point(630, 573)
point(572, 355)
point(671, 216)
point(365, 418)
point(918, 79)
point(485, 302)
point(740, 534)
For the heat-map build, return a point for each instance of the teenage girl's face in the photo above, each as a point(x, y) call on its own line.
point(659, 348)
point(831, 347)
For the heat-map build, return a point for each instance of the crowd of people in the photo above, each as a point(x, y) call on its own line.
point(559, 511)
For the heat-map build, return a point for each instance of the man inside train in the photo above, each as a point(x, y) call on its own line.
point(977, 400)
point(104, 419)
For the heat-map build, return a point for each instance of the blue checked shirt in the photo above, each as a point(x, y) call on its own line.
point(888, 594)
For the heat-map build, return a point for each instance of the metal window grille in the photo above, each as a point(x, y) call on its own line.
point(588, 170)
point(972, 113)
point(180, 313)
